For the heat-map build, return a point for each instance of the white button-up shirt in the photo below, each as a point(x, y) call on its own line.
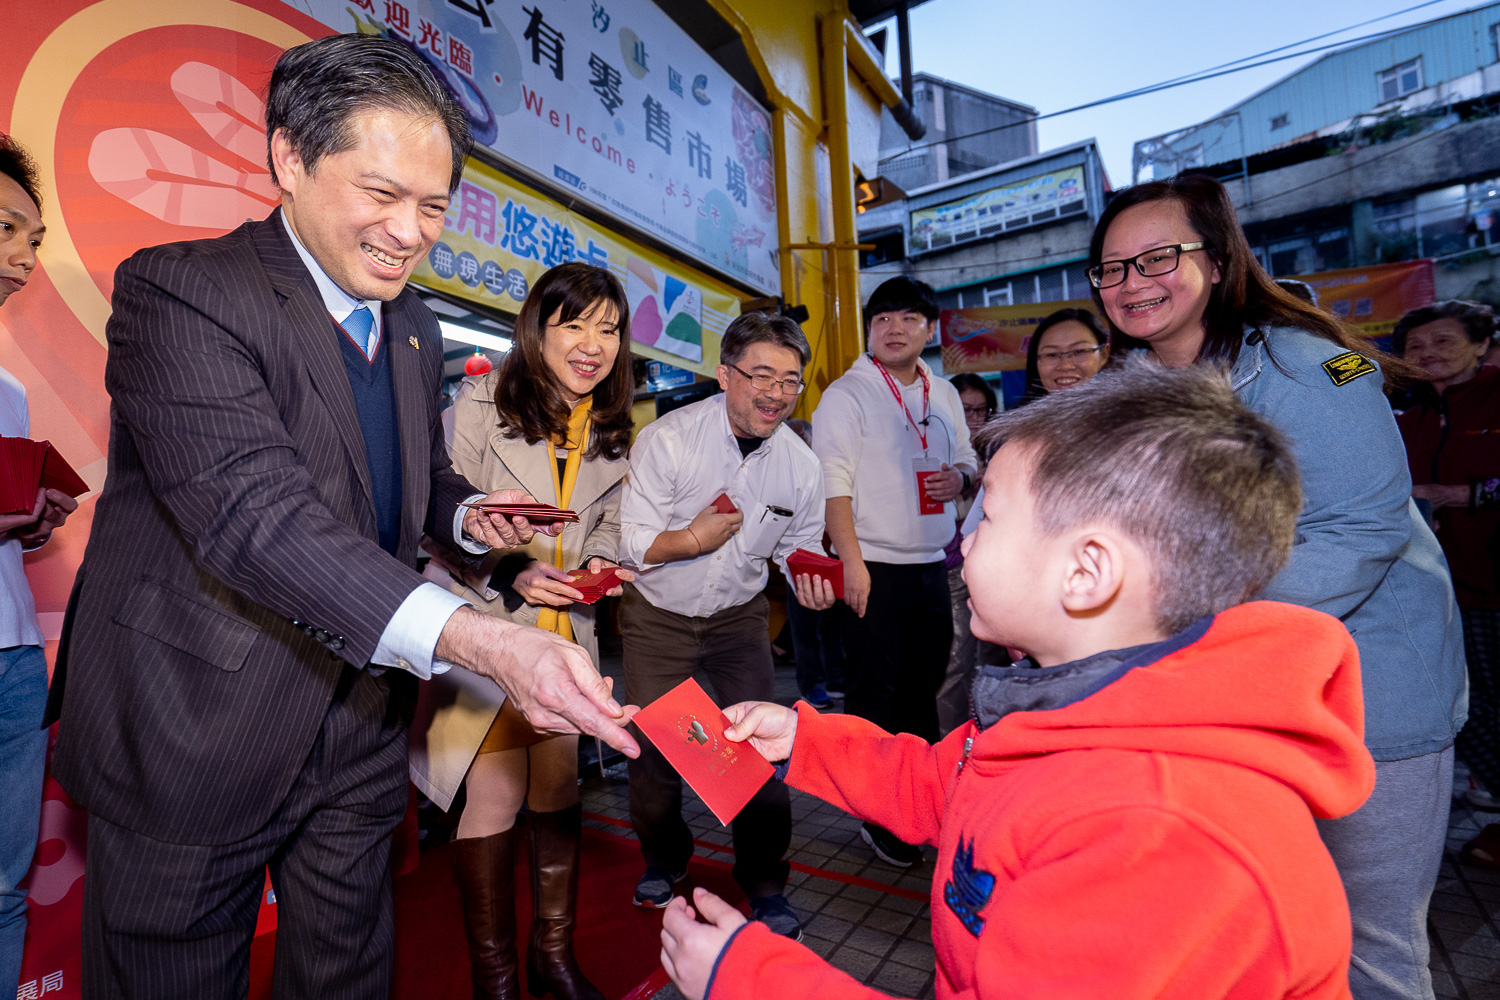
point(678, 465)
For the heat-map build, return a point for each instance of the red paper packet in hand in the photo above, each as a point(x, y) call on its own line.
point(688, 729)
point(724, 505)
point(830, 569)
point(594, 586)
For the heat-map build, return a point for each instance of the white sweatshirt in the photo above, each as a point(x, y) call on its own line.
point(867, 444)
point(18, 626)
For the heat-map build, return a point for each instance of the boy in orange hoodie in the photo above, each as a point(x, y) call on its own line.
point(1133, 816)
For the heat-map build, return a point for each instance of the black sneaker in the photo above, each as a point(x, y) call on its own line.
point(888, 847)
point(777, 914)
point(655, 887)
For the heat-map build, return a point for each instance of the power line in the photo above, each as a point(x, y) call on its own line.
point(1199, 77)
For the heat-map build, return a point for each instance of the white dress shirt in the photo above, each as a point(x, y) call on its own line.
point(678, 465)
point(867, 443)
point(412, 633)
point(18, 625)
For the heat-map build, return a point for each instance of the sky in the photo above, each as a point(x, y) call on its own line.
point(1055, 56)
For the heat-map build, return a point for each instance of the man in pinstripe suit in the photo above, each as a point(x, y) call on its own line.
point(245, 636)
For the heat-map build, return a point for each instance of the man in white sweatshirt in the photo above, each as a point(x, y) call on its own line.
point(23, 667)
point(895, 453)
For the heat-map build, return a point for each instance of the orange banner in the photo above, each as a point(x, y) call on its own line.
point(994, 338)
point(1372, 299)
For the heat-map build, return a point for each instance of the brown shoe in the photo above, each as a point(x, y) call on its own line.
point(485, 868)
point(550, 965)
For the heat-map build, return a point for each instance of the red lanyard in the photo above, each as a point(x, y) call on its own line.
point(921, 428)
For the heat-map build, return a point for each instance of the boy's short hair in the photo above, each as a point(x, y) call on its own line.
point(762, 328)
point(1171, 457)
point(902, 294)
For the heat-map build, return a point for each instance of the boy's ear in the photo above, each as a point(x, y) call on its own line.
point(1094, 573)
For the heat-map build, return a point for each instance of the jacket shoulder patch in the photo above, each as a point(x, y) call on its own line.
point(968, 889)
point(1347, 367)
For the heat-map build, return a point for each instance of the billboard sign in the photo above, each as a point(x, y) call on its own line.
point(1371, 299)
point(610, 100)
point(500, 236)
point(995, 338)
point(1030, 202)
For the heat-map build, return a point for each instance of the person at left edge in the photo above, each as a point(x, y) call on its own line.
point(23, 667)
point(247, 628)
point(697, 603)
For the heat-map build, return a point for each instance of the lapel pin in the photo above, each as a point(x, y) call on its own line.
point(413, 342)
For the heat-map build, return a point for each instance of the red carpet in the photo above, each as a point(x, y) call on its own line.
point(617, 944)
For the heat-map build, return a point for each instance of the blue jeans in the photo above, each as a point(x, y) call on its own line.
point(817, 646)
point(23, 755)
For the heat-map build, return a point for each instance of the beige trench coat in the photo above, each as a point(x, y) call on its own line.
point(455, 709)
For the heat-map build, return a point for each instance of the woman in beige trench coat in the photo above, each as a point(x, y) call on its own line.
point(553, 420)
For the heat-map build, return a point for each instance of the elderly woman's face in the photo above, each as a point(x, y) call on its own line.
point(1443, 351)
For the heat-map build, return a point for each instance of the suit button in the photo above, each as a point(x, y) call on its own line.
point(322, 635)
point(338, 642)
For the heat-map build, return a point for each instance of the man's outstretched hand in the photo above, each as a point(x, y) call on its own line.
point(689, 949)
point(552, 681)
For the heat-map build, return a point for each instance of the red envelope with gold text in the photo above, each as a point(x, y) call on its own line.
point(688, 729)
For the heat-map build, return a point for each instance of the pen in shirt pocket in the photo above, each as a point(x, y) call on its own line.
point(773, 509)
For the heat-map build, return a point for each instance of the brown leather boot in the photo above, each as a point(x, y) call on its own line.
point(485, 868)
point(550, 965)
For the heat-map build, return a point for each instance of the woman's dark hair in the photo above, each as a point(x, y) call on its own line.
point(1477, 319)
point(1034, 387)
point(529, 398)
point(968, 380)
point(1245, 294)
point(318, 87)
point(17, 164)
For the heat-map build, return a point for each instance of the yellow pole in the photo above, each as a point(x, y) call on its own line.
point(844, 259)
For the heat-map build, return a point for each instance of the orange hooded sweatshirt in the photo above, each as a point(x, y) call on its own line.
point(1151, 836)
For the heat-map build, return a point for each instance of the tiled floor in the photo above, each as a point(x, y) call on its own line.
point(880, 932)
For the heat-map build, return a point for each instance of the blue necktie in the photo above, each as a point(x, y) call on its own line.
point(360, 325)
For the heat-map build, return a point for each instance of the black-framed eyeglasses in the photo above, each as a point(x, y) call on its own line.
point(1150, 263)
point(765, 383)
point(981, 410)
point(1079, 355)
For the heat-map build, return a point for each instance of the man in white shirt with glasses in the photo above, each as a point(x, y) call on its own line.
point(698, 603)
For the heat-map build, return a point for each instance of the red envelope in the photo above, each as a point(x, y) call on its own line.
point(593, 586)
point(541, 513)
point(688, 728)
point(26, 466)
point(830, 569)
point(724, 505)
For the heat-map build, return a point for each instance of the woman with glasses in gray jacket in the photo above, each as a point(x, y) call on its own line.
point(1173, 273)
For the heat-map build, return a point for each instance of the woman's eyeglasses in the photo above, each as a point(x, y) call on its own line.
point(1077, 356)
point(1151, 263)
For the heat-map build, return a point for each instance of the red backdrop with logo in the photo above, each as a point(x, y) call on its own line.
point(147, 123)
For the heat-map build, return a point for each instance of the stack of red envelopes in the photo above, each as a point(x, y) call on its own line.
point(25, 467)
point(830, 569)
point(594, 585)
point(537, 513)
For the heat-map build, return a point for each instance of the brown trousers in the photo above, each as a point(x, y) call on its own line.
point(732, 648)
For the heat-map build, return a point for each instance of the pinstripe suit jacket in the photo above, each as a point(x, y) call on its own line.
point(233, 570)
